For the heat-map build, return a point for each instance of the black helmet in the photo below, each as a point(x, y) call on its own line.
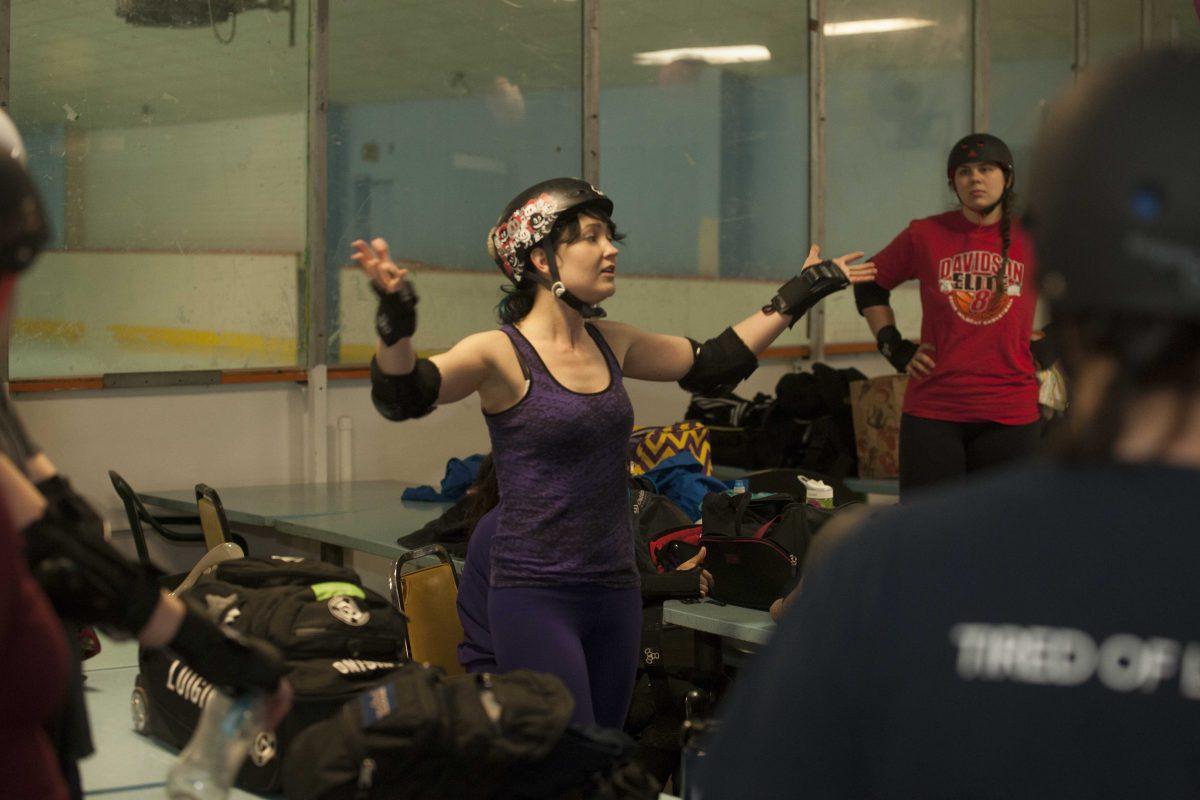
point(979, 147)
point(23, 226)
point(1114, 204)
point(530, 216)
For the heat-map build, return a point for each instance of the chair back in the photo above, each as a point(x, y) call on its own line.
point(133, 510)
point(212, 516)
point(226, 551)
point(427, 593)
point(138, 516)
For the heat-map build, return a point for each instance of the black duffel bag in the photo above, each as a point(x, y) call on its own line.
point(169, 696)
point(467, 737)
point(282, 571)
point(756, 545)
point(331, 618)
point(338, 638)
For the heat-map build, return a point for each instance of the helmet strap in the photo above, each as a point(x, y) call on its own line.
point(559, 290)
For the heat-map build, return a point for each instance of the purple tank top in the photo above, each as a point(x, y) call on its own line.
point(562, 462)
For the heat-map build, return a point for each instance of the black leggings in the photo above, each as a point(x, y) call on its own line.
point(933, 451)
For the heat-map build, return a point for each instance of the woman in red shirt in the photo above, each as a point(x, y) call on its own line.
point(971, 401)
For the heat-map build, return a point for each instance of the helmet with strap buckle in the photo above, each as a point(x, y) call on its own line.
point(527, 222)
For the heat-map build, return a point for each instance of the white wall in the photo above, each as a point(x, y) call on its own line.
point(228, 435)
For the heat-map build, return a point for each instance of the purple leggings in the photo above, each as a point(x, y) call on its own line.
point(587, 636)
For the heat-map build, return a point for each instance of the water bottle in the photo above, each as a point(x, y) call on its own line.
point(210, 762)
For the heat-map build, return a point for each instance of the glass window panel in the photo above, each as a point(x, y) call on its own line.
point(707, 161)
point(1114, 28)
point(439, 114)
point(896, 101)
point(1175, 23)
point(172, 161)
point(1032, 59)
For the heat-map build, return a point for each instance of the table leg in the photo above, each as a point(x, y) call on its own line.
point(709, 654)
point(333, 553)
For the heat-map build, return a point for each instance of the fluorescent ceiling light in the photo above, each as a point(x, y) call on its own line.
point(728, 54)
point(886, 25)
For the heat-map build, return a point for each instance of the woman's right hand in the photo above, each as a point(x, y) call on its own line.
point(376, 260)
point(922, 363)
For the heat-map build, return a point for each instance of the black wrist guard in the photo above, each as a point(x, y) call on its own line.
point(1045, 350)
point(87, 580)
point(225, 657)
point(68, 508)
point(895, 348)
point(806, 290)
point(396, 316)
point(399, 397)
point(719, 364)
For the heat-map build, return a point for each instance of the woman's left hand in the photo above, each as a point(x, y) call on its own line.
point(706, 578)
point(856, 273)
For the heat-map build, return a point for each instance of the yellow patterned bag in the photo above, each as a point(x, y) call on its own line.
point(650, 445)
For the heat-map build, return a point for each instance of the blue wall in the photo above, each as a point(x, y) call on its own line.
point(48, 165)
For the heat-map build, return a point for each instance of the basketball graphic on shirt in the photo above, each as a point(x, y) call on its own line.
point(971, 283)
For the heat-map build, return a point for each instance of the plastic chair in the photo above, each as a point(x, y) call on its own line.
point(136, 511)
point(427, 594)
point(212, 519)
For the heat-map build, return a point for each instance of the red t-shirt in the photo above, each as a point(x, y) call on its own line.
point(33, 677)
point(984, 371)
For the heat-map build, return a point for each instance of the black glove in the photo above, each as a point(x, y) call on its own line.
point(1045, 350)
point(396, 316)
point(225, 657)
point(68, 508)
point(895, 348)
point(806, 290)
point(88, 581)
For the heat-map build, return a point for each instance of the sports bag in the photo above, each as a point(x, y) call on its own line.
point(755, 543)
point(281, 571)
point(168, 697)
point(338, 637)
point(332, 618)
point(750, 571)
point(743, 513)
point(468, 737)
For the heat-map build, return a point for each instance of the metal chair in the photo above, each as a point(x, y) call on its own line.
point(428, 594)
point(138, 516)
point(212, 519)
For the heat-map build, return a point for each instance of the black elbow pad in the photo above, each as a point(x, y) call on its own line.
point(870, 294)
point(1045, 350)
point(400, 397)
point(720, 364)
